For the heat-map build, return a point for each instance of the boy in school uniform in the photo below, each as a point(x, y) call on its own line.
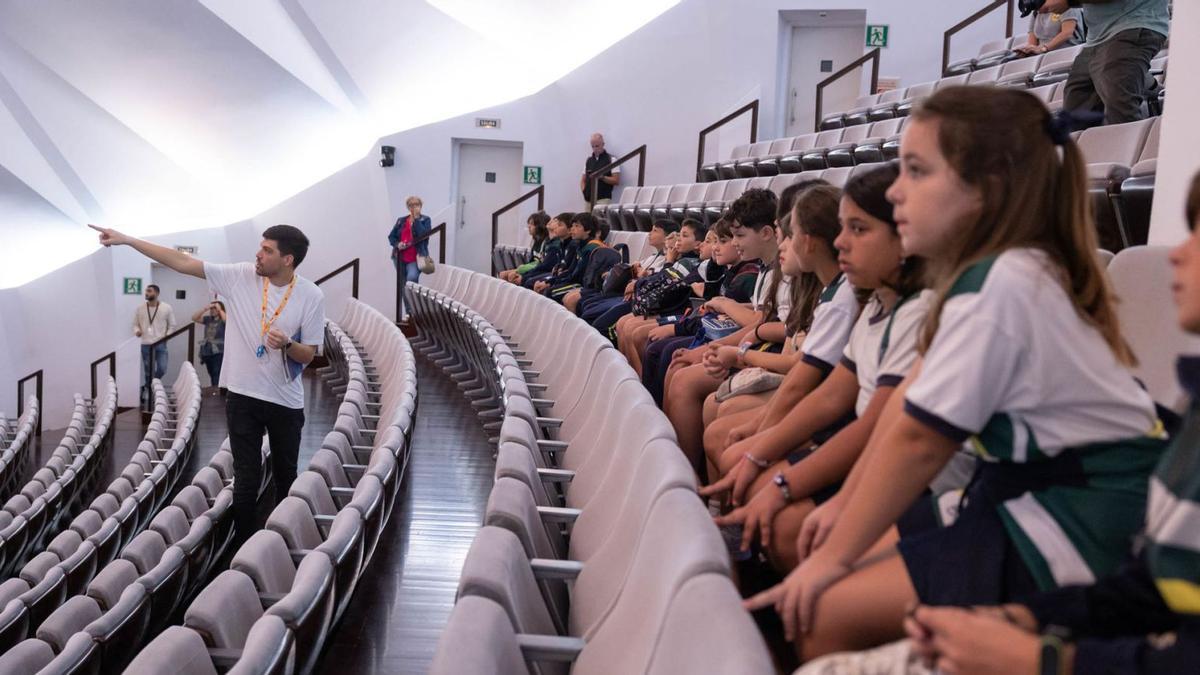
point(554, 254)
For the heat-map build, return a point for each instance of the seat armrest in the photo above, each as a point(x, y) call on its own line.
point(558, 514)
point(558, 648)
point(556, 475)
point(545, 568)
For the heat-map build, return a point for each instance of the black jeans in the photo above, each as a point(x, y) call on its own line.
point(1112, 77)
point(247, 419)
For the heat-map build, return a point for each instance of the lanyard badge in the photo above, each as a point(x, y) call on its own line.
point(261, 351)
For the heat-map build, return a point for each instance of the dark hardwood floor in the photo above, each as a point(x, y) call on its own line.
point(405, 596)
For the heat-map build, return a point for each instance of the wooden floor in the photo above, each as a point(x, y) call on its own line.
point(405, 596)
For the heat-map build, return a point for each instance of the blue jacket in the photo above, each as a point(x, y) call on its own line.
point(421, 229)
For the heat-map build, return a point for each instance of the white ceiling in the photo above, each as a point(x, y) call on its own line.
point(166, 115)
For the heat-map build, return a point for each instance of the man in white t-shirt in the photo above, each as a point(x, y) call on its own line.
point(152, 322)
point(275, 326)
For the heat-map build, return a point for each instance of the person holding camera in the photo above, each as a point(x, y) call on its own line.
point(1111, 75)
point(1050, 30)
point(212, 346)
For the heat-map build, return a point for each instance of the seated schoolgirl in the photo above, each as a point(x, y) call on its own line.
point(782, 468)
point(1022, 356)
point(815, 226)
point(1142, 619)
point(555, 254)
point(537, 248)
point(726, 275)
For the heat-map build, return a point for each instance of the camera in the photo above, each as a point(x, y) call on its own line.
point(1028, 7)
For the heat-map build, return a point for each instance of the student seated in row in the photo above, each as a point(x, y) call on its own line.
point(540, 233)
point(555, 254)
point(1022, 358)
point(780, 474)
point(585, 234)
point(592, 305)
point(667, 293)
point(1142, 619)
point(815, 227)
point(687, 382)
point(726, 275)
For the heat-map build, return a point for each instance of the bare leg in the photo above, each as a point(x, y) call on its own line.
point(571, 301)
point(688, 390)
point(866, 609)
point(716, 433)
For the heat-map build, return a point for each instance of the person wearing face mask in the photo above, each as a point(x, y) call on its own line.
point(153, 321)
point(409, 239)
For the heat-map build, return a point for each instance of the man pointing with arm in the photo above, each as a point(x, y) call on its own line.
point(276, 321)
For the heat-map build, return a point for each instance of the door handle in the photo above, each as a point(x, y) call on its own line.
point(462, 211)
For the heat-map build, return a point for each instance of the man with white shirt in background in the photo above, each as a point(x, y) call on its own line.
point(152, 322)
point(275, 326)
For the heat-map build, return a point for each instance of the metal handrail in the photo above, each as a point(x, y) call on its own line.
point(539, 191)
point(190, 329)
point(751, 107)
point(594, 177)
point(352, 265)
point(441, 228)
point(872, 56)
point(1008, 29)
point(111, 357)
point(39, 375)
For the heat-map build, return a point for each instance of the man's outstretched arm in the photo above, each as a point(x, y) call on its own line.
point(180, 262)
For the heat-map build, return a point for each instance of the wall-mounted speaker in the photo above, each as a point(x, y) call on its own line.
point(389, 156)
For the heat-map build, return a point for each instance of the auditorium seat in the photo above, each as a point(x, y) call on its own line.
point(1055, 66)
point(1110, 152)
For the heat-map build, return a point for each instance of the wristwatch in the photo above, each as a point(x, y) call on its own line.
point(1050, 661)
point(781, 482)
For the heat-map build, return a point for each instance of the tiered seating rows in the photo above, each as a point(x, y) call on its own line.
point(596, 549)
point(17, 439)
point(74, 615)
point(288, 585)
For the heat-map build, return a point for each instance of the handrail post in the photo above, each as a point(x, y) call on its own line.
point(751, 107)
point(1008, 30)
point(539, 192)
point(594, 177)
point(37, 376)
point(872, 56)
point(111, 357)
point(353, 266)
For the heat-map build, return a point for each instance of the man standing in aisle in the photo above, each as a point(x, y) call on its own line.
point(152, 322)
point(276, 325)
point(596, 161)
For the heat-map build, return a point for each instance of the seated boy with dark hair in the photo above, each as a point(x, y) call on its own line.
point(585, 232)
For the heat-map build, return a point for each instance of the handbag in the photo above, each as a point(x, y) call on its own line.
point(425, 264)
point(748, 381)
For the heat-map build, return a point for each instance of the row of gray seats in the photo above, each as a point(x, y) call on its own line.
point(16, 439)
point(873, 141)
point(596, 554)
point(638, 208)
point(1030, 72)
point(289, 583)
point(43, 505)
point(109, 579)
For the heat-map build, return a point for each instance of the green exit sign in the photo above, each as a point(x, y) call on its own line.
point(533, 175)
point(877, 35)
point(133, 285)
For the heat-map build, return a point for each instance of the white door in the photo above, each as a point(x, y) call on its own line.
point(489, 176)
point(812, 45)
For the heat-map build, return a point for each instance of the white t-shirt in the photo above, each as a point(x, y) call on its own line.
point(155, 323)
point(833, 319)
point(653, 262)
point(303, 318)
point(883, 345)
point(1017, 374)
point(783, 295)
